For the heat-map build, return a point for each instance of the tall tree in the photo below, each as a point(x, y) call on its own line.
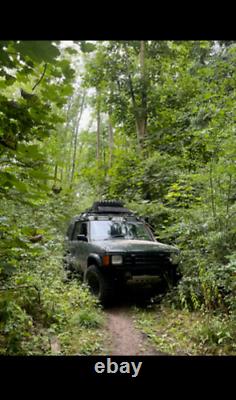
point(98, 112)
point(75, 138)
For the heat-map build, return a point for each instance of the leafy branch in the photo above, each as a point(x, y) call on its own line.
point(41, 78)
point(23, 287)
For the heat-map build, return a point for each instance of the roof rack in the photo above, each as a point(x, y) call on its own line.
point(108, 207)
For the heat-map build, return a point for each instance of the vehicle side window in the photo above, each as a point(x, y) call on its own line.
point(69, 231)
point(80, 228)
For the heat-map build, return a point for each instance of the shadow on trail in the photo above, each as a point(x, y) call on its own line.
point(136, 294)
point(123, 337)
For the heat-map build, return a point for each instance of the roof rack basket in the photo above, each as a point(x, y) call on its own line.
point(109, 207)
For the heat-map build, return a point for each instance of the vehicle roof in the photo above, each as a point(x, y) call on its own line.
point(104, 210)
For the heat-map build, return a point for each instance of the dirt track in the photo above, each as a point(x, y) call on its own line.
point(123, 337)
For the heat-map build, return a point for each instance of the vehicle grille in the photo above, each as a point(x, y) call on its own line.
point(151, 263)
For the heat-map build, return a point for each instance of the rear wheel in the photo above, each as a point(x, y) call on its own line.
point(70, 271)
point(67, 267)
point(100, 285)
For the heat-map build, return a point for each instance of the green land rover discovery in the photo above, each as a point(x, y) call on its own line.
point(110, 245)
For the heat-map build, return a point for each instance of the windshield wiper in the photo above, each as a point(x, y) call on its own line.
point(115, 236)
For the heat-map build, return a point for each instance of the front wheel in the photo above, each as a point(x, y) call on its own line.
point(99, 284)
point(171, 277)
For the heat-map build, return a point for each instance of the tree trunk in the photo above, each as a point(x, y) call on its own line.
point(213, 205)
point(98, 124)
point(61, 174)
point(143, 110)
point(111, 140)
point(140, 112)
point(55, 174)
point(69, 153)
point(228, 201)
point(76, 140)
point(68, 112)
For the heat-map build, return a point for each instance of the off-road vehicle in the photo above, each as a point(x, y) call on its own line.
point(109, 245)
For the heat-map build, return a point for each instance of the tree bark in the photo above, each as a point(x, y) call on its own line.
point(98, 124)
point(55, 174)
point(140, 112)
point(228, 200)
point(76, 139)
point(111, 140)
point(213, 205)
point(143, 111)
point(68, 157)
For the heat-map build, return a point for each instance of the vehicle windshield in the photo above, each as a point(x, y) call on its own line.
point(106, 230)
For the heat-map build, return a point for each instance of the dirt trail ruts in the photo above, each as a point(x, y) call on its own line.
point(123, 337)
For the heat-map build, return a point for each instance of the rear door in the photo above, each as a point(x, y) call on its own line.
point(79, 249)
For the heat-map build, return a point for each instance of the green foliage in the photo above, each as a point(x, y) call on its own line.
point(87, 47)
point(37, 50)
point(183, 178)
point(181, 332)
point(27, 118)
point(180, 173)
point(87, 318)
point(36, 303)
point(15, 325)
point(216, 335)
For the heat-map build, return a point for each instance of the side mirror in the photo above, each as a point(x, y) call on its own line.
point(82, 238)
point(144, 218)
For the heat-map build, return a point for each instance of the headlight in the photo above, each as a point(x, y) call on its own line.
point(116, 260)
point(174, 258)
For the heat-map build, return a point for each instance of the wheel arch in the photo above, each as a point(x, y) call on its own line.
point(94, 259)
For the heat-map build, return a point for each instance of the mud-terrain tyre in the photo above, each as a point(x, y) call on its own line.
point(170, 279)
point(70, 271)
point(66, 264)
point(100, 285)
point(67, 268)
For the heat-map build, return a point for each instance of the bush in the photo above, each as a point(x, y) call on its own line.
point(15, 326)
point(35, 302)
point(87, 318)
point(216, 335)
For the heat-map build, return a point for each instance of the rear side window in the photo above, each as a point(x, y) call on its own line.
point(80, 228)
point(69, 231)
